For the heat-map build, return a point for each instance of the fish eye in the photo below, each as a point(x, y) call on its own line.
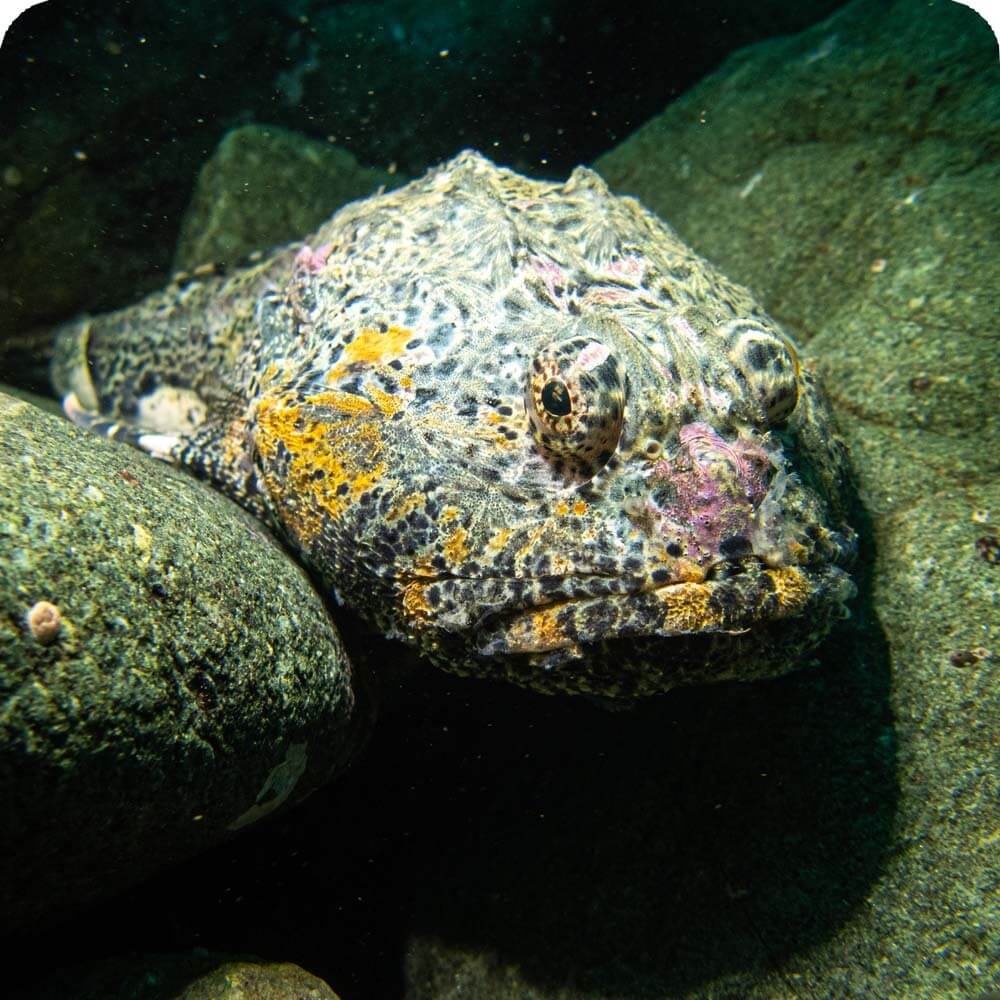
point(575, 399)
point(555, 398)
point(770, 369)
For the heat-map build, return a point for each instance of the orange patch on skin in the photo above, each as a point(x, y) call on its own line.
point(686, 608)
point(791, 588)
point(387, 402)
point(416, 609)
point(332, 460)
point(371, 346)
point(689, 572)
point(498, 540)
point(345, 402)
point(449, 514)
point(410, 502)
point(455, 549)
point(578, 507)
point(537, 632)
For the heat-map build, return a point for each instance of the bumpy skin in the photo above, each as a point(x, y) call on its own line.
point(518, 424)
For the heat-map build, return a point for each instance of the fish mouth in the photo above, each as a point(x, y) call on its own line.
point(560, 619)
point(733, 603)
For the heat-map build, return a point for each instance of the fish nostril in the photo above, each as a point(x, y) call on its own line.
point(726, 570)
point(735, 547)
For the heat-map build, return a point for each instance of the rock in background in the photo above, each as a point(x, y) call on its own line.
point(196, 976)
point(265, 186)
point(167, 675)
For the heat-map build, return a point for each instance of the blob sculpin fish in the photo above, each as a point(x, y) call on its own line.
point(517, 424)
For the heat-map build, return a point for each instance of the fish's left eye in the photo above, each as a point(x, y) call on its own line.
point(575, 398)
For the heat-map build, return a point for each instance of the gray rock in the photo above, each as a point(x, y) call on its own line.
point(265, 186)
point(848, 174)
point(167, 675)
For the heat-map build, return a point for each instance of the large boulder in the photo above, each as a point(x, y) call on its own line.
point(167, 675)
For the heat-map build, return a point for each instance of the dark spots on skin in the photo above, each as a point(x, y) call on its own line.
point(674, 549)
point(441, 335)
point(727, 601)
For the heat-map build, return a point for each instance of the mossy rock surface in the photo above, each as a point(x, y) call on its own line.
point(190, 684)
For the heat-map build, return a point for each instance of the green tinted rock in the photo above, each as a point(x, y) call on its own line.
point(265, 186)
point(196, 976)
point(189, 682)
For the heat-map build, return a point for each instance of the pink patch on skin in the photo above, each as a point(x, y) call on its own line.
point(749, 461)
point(606, 295)
point(313, 260)
point(627, 267)
point(551, 274)
point(712, 486)
point(592, 356)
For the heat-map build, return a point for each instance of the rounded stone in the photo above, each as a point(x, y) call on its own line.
point(195, 975)
point(167, 675)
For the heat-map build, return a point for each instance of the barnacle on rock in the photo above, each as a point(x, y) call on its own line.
point(44, 622)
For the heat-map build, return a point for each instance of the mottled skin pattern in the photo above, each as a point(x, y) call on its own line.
point(517, 424)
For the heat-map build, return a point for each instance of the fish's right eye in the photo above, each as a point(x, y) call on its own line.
point(770, 369)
